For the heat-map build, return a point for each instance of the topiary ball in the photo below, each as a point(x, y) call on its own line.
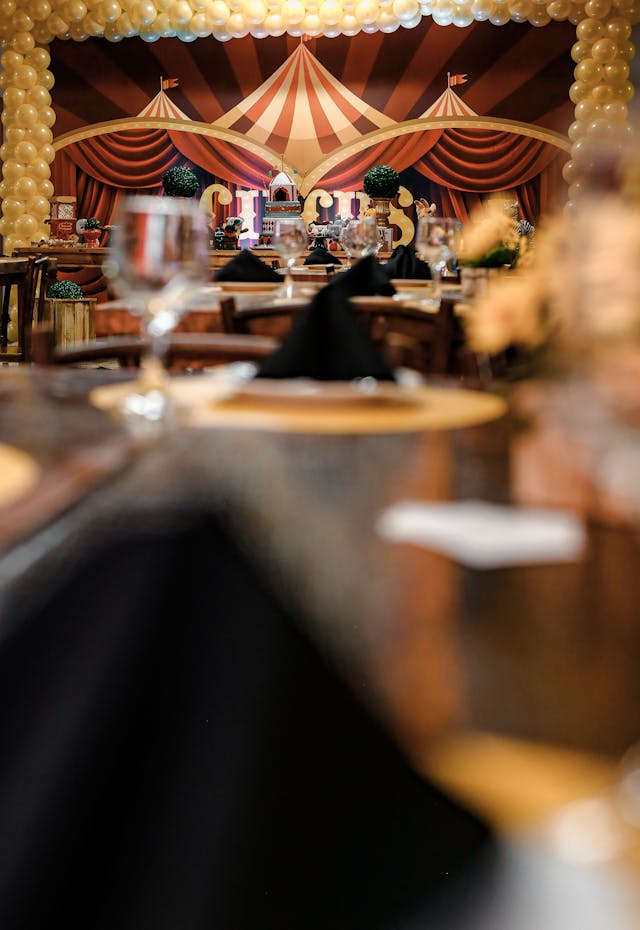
point(65, 290)
point(92, 223)
point(381, 181)
point(180, 182)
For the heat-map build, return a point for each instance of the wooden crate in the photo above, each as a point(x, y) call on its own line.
point(72, 320)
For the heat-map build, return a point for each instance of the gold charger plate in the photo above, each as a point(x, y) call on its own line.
point(20, 472)
point(249, 287)
point(215, 401)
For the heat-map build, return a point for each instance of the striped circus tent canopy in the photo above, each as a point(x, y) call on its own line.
point(303, 112)
point(448, 104)
point(161, 107)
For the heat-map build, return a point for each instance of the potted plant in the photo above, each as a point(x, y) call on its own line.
point(382, 184)
point(64, 290)
point(91, 232)
point(180, 182)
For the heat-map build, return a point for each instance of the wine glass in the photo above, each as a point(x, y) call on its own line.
point(289, 238)
point(437, 241)
point(360, 238)
point(158, 260)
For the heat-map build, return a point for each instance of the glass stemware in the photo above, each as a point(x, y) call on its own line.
point(360, 238)
point(437, 242)
point(289, 238)
point(158, 260)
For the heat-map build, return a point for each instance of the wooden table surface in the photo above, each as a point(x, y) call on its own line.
point(546, 654)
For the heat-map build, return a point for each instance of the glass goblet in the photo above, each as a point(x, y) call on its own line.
point(158, 260)
point(360, 238)
point(437, 242)
point(289, 238)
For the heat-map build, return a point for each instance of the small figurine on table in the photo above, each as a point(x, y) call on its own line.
point(231, 232)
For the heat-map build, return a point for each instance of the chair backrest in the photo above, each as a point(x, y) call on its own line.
point(31, 299)
point(409, 335)
point(185, 349)
point(263, 318)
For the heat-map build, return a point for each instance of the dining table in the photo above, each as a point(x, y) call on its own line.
point(510, 685)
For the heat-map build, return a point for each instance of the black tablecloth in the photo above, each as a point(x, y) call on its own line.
point(175, 754)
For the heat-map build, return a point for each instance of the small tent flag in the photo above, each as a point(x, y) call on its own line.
point(167, 83)
point(456, 79)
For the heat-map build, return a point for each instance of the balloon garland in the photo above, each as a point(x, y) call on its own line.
point(600, 92)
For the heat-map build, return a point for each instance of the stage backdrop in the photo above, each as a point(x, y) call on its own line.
point(458, 112)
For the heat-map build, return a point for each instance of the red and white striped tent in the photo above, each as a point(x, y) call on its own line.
point(303, 112)
point(448, 103)
point(161, 107)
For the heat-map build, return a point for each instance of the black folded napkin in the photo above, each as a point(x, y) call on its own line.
point(319, 255)
point(245, 266)
point(367, 278)
point(404, 263)
point(328, 343)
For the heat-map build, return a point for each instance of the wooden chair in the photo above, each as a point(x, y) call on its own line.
point(31, 277)
point(264, 318)
point(410, 336)
point(186, 350)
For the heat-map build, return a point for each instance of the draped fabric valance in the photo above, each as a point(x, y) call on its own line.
point(461, 162)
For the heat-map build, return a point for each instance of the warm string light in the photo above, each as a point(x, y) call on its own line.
point(601, 90)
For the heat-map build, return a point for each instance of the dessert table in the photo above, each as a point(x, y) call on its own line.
point(544, 653)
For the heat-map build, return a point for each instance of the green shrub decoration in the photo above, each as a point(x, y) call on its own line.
point(180, 182)
point(92, 223)
point(381, 181)
point(65, 290)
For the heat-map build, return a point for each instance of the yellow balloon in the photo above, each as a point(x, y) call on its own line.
point(7, 8)
point(23, 42)
point(40, 10)
point(26, 115)
point(38, 206)
point(26, 152)
point(40, 134)
point(39, 169)
point(579, 50)
point(597, 8)
point(578, 91)
point(27, 77)
point(588, 71)
point(624, 93)
point(26, 187)
point(570, 172)
point(47, 116)
point(76, 10)
point(13, 172)
point(12, 326)
point(21, 21)
point(46, 188)
point(626, 50)
point(616, 72)
point(616, 111)
point(25, 226)
point(39, 96)
point(47, 153)
point(12, 60)
point(604, 50)
point(587, 109)
point(111, 10)
point(589, 30)
point(15, 134)
point(39, 58)
point(619, 29)
point(14, 97)
point(47, 79)
point(602, 93)
point(11, 208)
point(577, 129)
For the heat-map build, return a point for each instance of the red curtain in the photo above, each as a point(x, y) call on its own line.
point(222, 159)
point(400, 153)
point(482, 160)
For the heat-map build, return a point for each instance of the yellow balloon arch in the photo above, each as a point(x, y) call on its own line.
point(600, 92)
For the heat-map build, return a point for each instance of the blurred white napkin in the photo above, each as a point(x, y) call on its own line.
point(484, 535)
